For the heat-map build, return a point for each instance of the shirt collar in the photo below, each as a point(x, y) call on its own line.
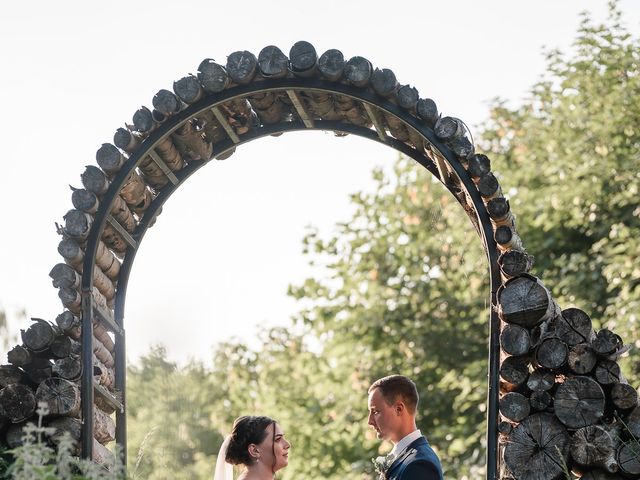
point(402, 445)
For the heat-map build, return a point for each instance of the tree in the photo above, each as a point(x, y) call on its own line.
point(572, 151)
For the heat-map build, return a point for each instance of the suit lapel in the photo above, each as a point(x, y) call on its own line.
point(408, 451)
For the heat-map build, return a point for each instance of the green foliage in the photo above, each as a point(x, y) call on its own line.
point(170, 415)
point(573, 151)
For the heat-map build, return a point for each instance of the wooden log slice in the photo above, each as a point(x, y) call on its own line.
point(514, 262)
point(95, 180)
point(109, 158)
point(552, 353)
point(14, 436)
point(407, 97)
point(384, 82)
point(514, 406)
point(541, 380)
point(582, 359)
point(607, 372)
point(479, 165)
point(71, 426)
point(126, 140)
point(537, 449)
point(331, 65)
point(524, 301)
point(303, 59)
point(500, 212)
point(427, 111)
point(540, 401)
point(104, 428)
point(19, 356)
point(579, 402)
point(69, 324)
point(624, 396)
point(242, 67)
point(11, 374)
point(515, 340)
point(488, 186)
point(628, 458)
point(69, 368)
point(449, 128)
point(272, 62)
point(192, 143)
point(166, 102)
point(212, 76)
point(39, 336)
point(606, 342)
point(505, 427)
point(574, 327)
point(514, 370)
point(358, 71)
point(188, 89)
point(61, 396)
point(592, 446)
point(158, 116)
point(62, 346)
point(462, 147)
point(143, 121)
point(17, 402)
point(85, 200)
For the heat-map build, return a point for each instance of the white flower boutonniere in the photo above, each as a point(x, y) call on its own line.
point(381, 464)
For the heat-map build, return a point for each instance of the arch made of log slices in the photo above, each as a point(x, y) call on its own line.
point(207, 116)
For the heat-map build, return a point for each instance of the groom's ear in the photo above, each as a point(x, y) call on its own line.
point(399, 407)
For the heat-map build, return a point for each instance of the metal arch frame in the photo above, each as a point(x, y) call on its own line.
point(368, 99)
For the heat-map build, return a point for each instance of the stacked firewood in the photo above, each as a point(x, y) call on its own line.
point(46, 369)
point(565, 404)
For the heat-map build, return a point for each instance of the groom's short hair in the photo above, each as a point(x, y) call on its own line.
point(395, 386)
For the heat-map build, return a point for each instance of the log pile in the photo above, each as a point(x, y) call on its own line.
point(564, 401)
point(565, 405)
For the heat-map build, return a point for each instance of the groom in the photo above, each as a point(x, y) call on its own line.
point(393, 401)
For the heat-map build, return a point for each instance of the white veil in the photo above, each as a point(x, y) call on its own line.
point(224, 470)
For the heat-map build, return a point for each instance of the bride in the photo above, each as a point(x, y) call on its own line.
point(258, 443)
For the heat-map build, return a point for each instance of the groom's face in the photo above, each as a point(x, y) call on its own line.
point(382, 416)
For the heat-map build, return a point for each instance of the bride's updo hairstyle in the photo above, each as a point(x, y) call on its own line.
point(246, 430)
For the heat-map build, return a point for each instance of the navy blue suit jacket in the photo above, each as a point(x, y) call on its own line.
point(417, 462)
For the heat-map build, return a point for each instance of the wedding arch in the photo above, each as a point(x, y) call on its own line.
point(209, 115)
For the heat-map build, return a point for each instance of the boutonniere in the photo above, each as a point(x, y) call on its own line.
point(381, 464)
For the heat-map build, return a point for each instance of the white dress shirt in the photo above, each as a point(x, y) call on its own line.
point(402, 445)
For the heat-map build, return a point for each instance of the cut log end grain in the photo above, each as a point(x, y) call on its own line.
point(515, 340)
point(449, 128)
point(407, 97)
point(515, 262)
point(61, 396)
point(303, 58)
point(358, 71)
point(525, 301)
point(537, 448)
point(17, 402)
point(552, 353)
point(514, 370)
point(143, 120)
point(331, 65)
point(188, 89)
point(212, 76)
point(384, 82)
point(574, 326)
point(166, 103)
point(541, 380)
point(579, 402)
point(272, 62)
point(242, 67)
point(582, 359)
point(479, 165)
point(624, 396)
point(427, 111)
point(592, 446)
point(514, 406)
point(109, 158)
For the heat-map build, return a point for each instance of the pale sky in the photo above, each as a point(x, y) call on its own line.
point(227, 244)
